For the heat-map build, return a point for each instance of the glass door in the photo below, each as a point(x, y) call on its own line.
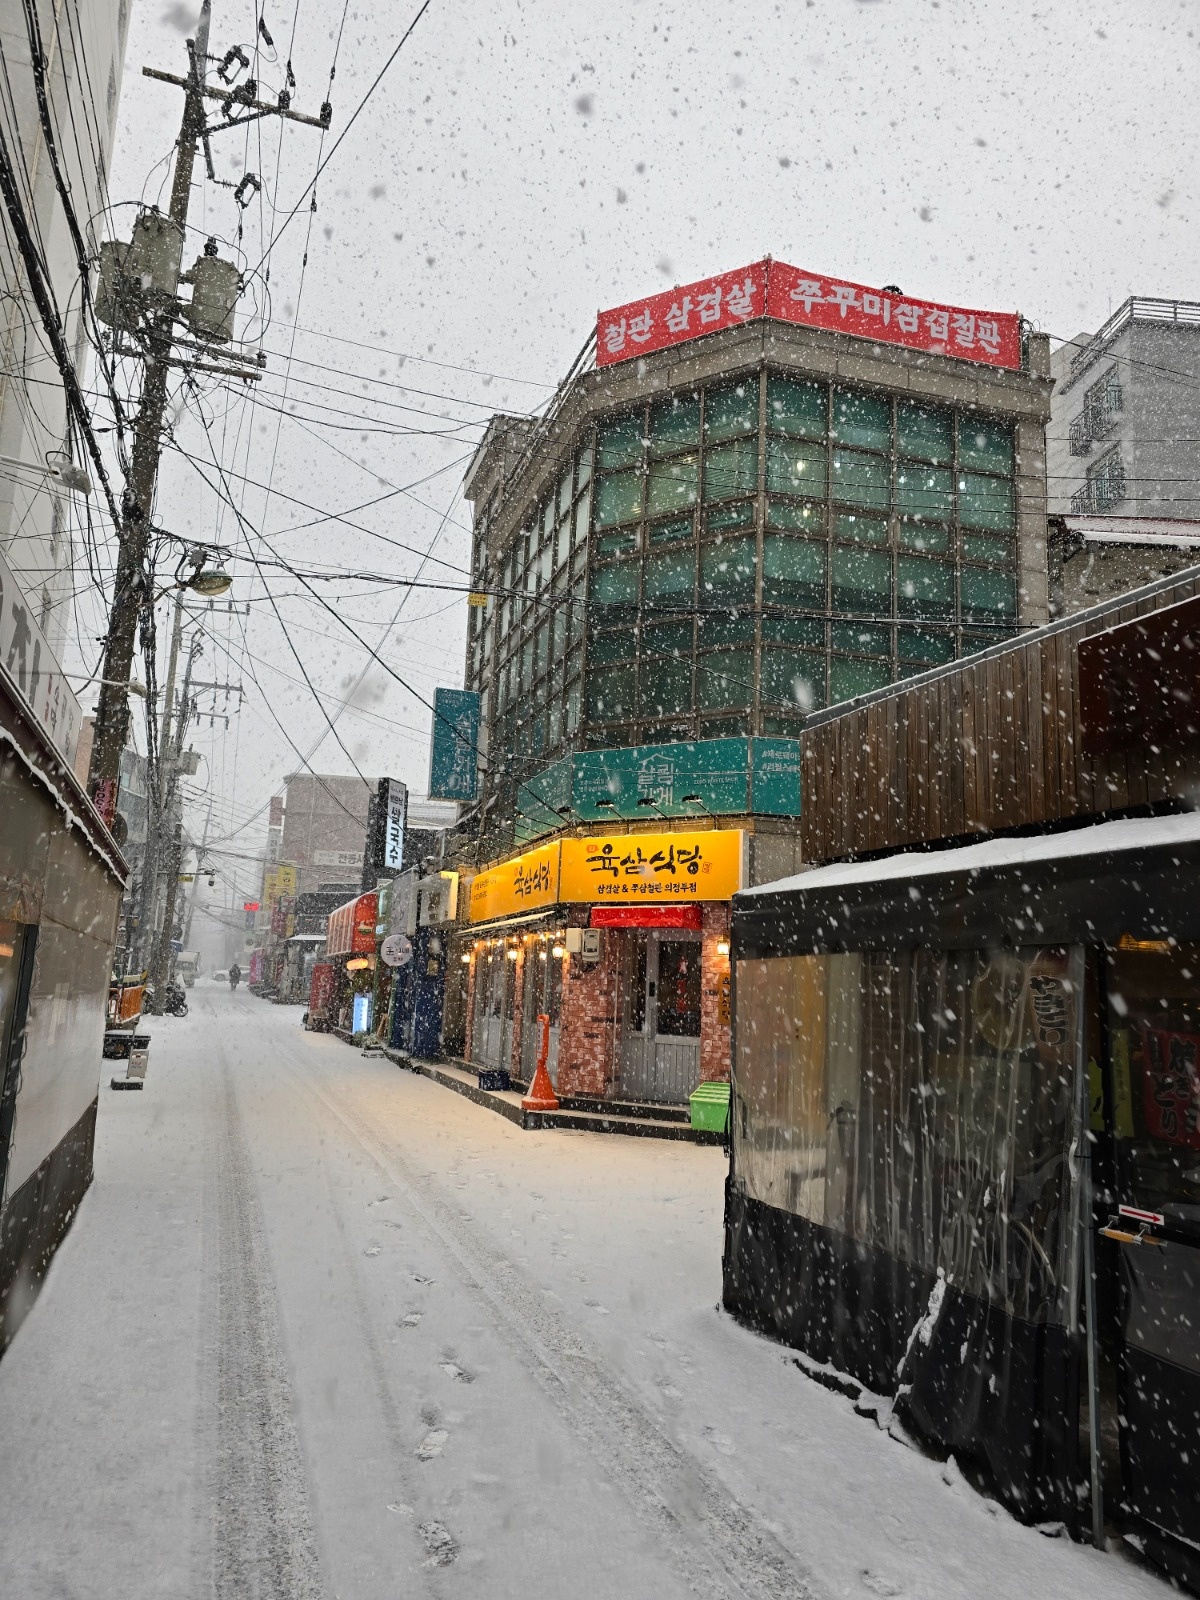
point(660, 1047)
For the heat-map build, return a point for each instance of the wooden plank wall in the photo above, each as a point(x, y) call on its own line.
point(993, 745)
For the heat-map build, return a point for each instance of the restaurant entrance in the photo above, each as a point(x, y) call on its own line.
point(660, 1031)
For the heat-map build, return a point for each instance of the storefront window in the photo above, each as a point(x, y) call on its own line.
point(670, 578)
point(924, 588)
point(985, 444)
point(725, 679)
point(861, 479)
point(793, 678)
point(666, 686)
point(920, 1104)
point(924, 491)
point(987, 594)
point(620, 443)
point(862, 581)
point(674, 425)
point(618, 498)
point(672, 485)
point(727, 572)
point(862, 419)
point(924, 433)
point(731, 470)
point(793, 571)
point(1154, 1045)
point(794, 467)
point(679, 988)
point(731, 410)
point(985, 502)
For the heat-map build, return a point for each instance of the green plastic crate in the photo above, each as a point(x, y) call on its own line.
point(710, 1107)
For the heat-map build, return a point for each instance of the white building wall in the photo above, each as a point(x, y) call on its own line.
point(42, 528)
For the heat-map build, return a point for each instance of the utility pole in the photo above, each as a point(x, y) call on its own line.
point(157, 310)
point(131, 594)
point(172, 819)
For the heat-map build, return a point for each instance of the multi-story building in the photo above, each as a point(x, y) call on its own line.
point(693, 551)
point(83, 46)
point(1124, 433)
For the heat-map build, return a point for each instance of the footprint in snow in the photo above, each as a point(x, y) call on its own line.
point(594, 1305)
point(426, 1282)
point(455, 1372)
point(409, 1321)
point(875, 1584)
point(371, 1250)
point(432, 1444)
point(439, 1542)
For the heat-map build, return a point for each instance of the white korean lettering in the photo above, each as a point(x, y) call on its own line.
point(739, 302)
point(988, 334)
point(709, 305)
point(677, 317)
point(964, 329)
point(810, 292)
point(908, 318)
point(877, 305)
point(614, 337)
point(937, 324)
point(842, 295)
point(639, 326)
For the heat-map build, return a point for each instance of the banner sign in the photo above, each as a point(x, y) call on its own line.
point(809, 299)
point(32, 667)
point(653, 866)
point(522, 884)
point(393, 824)
point(453, 755)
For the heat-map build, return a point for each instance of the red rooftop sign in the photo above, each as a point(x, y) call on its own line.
point(773, 289)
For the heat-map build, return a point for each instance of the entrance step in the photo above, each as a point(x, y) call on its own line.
point(585, 1115)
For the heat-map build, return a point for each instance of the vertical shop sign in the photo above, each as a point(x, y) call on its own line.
point(394, 821)
point(453, 756)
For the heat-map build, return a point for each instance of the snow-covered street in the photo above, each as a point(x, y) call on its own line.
point(323, 1328)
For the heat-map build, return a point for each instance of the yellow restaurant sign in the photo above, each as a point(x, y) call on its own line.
point(522, 884)
point(653, 868)
point(621, 868)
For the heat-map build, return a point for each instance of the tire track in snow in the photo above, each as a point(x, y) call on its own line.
point(718, 1543)
point(262, 1541)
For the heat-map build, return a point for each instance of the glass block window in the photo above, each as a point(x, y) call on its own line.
point(731, 410)
point(849, 677)
point(731, 470)
point(793, 572)
point(861, 479)
point(620, 443)
point(924, 492)
point(797, 409)
point(618, 498)
point(674, 425)
point(924, 588)
point(794, 467)
point(725, 679)
point(861, 580)
point(670, 579)
point(924, 433)
point(672, 485)
point(985, 502)
point(728, 572)
point(862, 419)
point(985, 444)
point(793, 678)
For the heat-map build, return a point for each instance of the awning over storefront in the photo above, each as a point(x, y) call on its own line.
point(1092, 884)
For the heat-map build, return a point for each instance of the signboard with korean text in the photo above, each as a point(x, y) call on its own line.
point(809, 299)
point(350, 859)
point(522, 884)
point(32, 667)
point(454, 751)
point(393, 824)
point(694, 778)
point(650, 867)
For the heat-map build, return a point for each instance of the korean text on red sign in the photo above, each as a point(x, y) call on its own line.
point(788, 294)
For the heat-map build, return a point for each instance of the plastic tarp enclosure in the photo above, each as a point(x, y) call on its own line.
point(902, 1203)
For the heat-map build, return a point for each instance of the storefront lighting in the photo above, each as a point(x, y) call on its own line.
point(722, 947)
point(357, 965)
point(559, 951)
point(541, 955)
point(465, 959)
point(511, 954)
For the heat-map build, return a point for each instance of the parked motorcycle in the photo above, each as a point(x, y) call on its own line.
point(175, 1002)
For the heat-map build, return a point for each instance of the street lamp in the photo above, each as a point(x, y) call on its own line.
point(645, 800)
point(695, 800)
point(205, 580)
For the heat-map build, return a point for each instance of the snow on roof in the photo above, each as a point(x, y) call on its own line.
point(1135, 833)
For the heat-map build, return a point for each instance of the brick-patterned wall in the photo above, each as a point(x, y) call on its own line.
point(587, 1028)
point(524, 950)
point(468, 1042)
point(715, 1045)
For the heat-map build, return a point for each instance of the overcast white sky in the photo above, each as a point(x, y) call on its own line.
point(523, 164)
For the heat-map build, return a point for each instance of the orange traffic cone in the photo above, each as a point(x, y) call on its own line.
point(541, 1096)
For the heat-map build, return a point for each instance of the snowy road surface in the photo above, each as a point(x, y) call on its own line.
point(323, 1328)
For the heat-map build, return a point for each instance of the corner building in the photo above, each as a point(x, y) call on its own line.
point(693, 551)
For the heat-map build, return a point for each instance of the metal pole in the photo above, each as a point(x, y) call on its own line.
point(1088, 1226)
point(131, 591)
point(162, 956)
point(157, 801)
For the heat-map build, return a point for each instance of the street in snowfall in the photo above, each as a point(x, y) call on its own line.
point(599, 800)
point(324, 1328)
